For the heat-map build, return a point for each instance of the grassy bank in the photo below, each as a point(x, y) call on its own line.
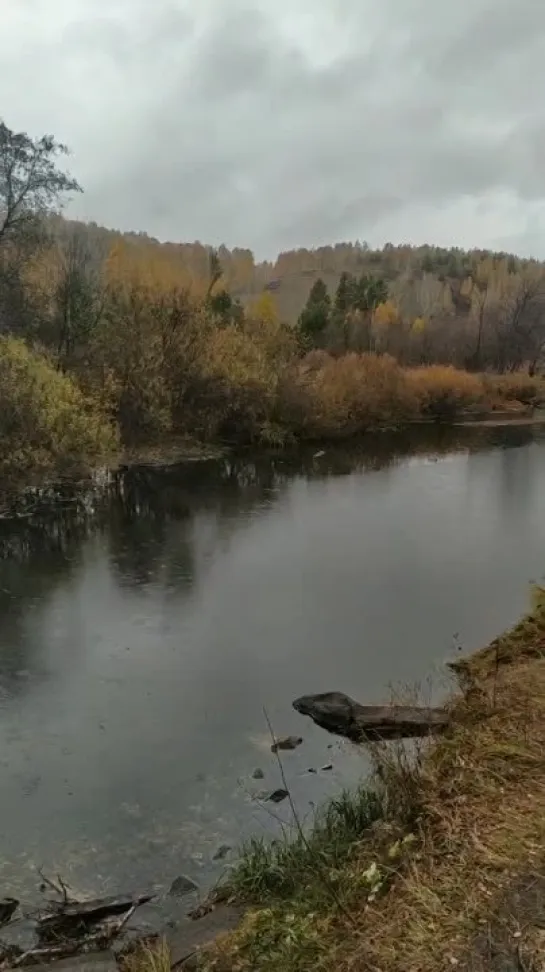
point(442, 867)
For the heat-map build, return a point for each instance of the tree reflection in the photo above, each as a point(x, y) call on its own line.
point(162, 524)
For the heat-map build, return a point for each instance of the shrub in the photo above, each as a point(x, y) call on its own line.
point(353, 394)
point(518, 387)
point(443, 392)
point(45, 418)
point(240, 379)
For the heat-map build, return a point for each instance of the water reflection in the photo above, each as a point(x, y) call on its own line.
point(146, 621)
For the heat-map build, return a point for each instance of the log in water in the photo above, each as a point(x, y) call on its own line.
point(338, 713)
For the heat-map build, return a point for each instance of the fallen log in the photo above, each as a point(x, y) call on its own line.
point(339, 714)
point(73, 918)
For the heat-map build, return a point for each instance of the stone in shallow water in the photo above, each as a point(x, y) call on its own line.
point(92, 962)
point(184, 941)
point(7, 907)
point(277, 796)
point(286, 743)
point(181, 886)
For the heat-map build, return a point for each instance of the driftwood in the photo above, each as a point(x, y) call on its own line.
point(339, 714)
point(74, 918)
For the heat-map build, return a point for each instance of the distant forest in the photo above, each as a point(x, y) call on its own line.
point(475, 309)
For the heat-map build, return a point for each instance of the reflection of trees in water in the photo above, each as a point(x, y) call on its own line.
point(40, 549)
point(512, 490)
point(158, 520)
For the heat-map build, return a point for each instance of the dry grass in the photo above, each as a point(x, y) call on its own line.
point(473, 808)
point(148, 958)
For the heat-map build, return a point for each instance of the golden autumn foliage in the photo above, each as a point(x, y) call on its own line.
point(45, 418)
point(130, 267)
point(387, 314)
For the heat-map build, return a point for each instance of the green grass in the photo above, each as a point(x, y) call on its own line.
point(309, 864)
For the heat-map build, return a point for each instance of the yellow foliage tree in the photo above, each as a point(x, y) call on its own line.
point(264, 309)
point(386, 314)
point(419, 325)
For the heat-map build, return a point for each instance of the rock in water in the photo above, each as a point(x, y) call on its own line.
point(277, 796)
point(286, 743)
point(181, 886)
point(190, 936)
point(222, 851)
point(7, 907)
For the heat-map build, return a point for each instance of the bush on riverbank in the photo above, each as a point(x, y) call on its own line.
point(45, 419)
point(434, 882)
point(444, 393)
point(351, 394)
point(518, 387)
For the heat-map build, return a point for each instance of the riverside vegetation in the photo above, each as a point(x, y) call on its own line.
point(111, 339)
point(437, 863)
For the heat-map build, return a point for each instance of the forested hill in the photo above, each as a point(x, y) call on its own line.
point(421, 280)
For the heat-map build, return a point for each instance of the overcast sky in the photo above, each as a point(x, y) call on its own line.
point(282, 123)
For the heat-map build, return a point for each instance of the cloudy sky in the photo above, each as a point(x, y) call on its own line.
point(282, 123)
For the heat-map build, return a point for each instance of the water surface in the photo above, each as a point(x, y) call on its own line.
point(142, 636)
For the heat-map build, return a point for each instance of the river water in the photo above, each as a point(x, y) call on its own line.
point(143, 634)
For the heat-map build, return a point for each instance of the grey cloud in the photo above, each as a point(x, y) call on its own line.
point(219, 123)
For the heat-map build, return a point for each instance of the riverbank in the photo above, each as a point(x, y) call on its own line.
point(444, 868)
point(56, 422)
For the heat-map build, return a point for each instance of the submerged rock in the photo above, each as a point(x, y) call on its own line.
point(181, 886)
point(286, 743)
point(184, 941)
point(277, 796)
point(88, 962)
point(7, 908)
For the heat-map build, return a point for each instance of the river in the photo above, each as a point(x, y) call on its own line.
point(144, 636)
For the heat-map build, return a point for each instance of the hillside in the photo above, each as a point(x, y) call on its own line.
point(423, 270)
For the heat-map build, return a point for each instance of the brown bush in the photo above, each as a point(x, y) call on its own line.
point(352, 394)
point(518, 387)
point(444, 392)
